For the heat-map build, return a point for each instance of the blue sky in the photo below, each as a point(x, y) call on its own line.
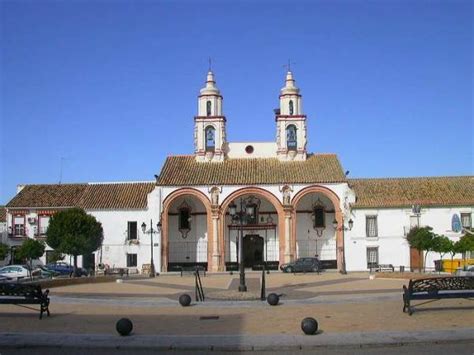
point(110, 87)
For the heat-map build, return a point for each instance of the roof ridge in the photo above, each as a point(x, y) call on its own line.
point(412, 177)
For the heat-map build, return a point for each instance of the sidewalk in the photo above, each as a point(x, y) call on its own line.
point(350, 309)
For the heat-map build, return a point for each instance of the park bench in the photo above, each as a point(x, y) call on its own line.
point(437, 288)
point(385, 268)
point(116, 271)
point(16, 293)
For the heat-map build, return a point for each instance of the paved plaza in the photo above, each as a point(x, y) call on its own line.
point(350, 309)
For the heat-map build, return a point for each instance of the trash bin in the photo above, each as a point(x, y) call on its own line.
point(402, 268)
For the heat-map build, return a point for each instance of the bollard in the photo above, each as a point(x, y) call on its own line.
point(124, 326)
point(185, 300)
point(309, 326)
point(273, 299)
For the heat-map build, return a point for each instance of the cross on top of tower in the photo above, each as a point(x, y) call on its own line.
point(288, 66)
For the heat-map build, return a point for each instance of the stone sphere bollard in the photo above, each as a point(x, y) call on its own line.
point(309, 326)
point(185, 300)
point(124, 326)
point(273, 299)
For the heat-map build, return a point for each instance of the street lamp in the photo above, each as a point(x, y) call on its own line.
point(150, 232)
point(343, 228)
point(243, 216)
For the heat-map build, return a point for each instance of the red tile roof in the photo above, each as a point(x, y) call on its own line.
point(3, 214)
point(88, 196)
point(405, 192)
point(185, 171)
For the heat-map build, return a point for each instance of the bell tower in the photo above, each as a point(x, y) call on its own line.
point(291, 123)
point(209, 124)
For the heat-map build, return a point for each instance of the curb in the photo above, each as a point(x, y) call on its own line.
point(233, 342)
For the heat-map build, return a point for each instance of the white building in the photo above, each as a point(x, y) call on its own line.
point(301, 203)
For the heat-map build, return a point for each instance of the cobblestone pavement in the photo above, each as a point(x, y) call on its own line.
point(342, 304)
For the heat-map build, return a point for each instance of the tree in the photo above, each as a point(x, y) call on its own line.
point(465, 244)
point(55, 256)
point(3, 251)
point(421, 239)
point(442, 245)
point(31, 249)
point(74, 232)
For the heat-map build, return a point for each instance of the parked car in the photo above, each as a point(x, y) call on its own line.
point(65, 269)
point(43, 272)
point(14, 272)
point(302, 265)
point(468, 271)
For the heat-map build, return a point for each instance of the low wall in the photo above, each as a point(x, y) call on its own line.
point(51, 283)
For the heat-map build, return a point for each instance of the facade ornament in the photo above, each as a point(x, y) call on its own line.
point(286, 194)
point(215, 191)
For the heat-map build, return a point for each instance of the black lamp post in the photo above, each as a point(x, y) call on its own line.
point(151, 231)
point(343, 228)
point(242, 217)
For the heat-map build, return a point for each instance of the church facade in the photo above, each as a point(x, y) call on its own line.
point(256, 202)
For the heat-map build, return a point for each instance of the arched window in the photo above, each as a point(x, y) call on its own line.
point(208, 108)
point(291, 142)
point(210, 139)
point(291, 107)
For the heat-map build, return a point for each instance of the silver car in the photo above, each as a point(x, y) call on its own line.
point(14, 272)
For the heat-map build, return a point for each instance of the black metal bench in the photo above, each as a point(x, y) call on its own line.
point(116, 271)
point(437, 288)
point(16, 293)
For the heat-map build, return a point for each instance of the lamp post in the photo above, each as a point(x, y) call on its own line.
point(151, 231)
point(343, 228)
point(242, 217)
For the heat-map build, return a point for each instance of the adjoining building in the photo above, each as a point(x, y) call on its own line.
point(290, 203)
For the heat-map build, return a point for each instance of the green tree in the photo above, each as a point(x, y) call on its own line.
point(55, 256)
point(31, 249)
point(74, 232)
point(465, 244)
point(4, 249)
point(442, 245)
point(421, 238)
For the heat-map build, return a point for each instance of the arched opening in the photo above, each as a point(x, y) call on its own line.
point(210, 138)
point(186, 230)
point(208, 108)
point(290, 107)
point(291, 140)
point(259, 230)
point(315, 209)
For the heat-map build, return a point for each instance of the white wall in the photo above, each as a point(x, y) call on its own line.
point(392, 226)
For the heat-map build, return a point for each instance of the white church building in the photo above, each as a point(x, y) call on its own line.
point(280, 200)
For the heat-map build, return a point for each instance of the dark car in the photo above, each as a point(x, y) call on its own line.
point(302, 265)
point(65, 269)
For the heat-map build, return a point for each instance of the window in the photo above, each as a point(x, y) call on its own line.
point(291, 107)
point(131, 260)
point(318, 213)
point(132, 230)
point(19, 225)
point(371, 226)
point(184, 219)
point(466, 220)
point(210, 139)
point(208, 108)
point(291, 137)
point(372, 257)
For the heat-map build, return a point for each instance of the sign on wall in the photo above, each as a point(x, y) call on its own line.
point(456, 223)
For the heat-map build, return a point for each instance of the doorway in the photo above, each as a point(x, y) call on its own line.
point(252, 250)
